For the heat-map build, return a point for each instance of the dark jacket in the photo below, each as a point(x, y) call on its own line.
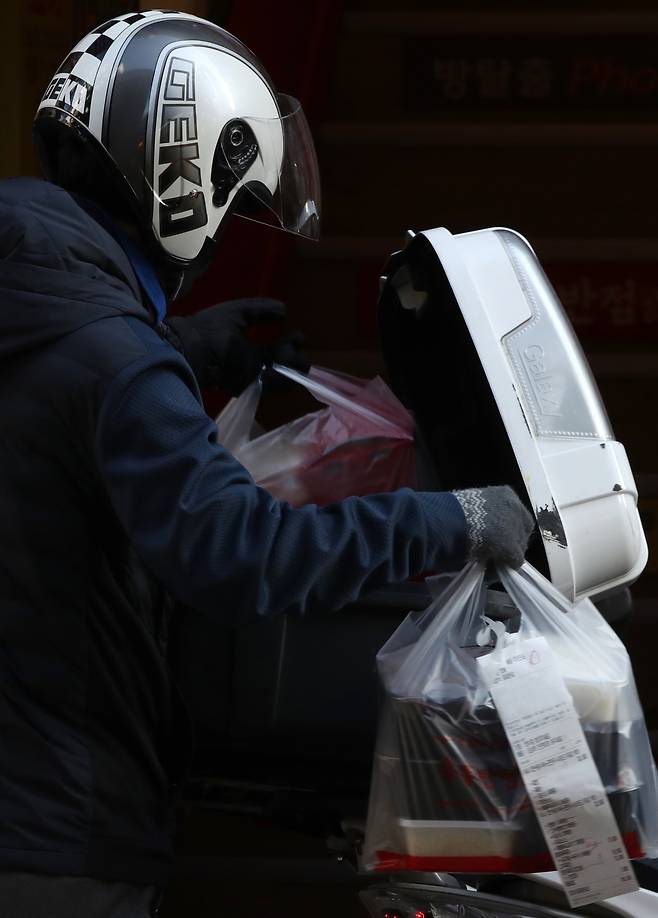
point(115, 498)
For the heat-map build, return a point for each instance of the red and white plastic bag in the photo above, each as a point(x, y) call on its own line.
point(362, 442)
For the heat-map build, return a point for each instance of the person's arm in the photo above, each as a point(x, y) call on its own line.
point(222, 545)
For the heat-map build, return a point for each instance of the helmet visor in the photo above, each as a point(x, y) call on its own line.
point(274, 160)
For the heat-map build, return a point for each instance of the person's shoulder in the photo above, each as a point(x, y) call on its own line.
point(32, 205)
point(109, 344)
point(24, 203)
point(23, 190)
point(102, 357)
point(43, 225)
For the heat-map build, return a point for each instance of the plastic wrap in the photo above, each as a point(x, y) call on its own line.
point(361, 443)
point(446, 793)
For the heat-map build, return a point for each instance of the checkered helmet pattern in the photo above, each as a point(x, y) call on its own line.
point(154, 93)
point(71, 89)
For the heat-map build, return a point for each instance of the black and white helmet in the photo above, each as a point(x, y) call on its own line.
point(172, 118)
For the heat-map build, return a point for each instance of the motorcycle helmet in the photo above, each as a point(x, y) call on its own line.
point(170, 123)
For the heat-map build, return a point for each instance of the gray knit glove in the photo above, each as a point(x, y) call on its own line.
point(499, 526)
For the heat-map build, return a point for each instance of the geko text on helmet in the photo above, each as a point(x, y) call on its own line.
point(178, 151)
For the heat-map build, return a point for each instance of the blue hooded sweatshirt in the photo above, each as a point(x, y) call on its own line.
point(116, 500)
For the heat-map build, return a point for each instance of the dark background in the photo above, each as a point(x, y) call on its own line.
point(465, 114)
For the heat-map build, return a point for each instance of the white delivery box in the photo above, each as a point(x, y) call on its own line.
point(480, 348)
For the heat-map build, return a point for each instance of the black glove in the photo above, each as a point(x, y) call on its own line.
point(499, 526)
point(215, 344)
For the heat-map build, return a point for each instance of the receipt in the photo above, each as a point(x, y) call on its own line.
point(556, 765)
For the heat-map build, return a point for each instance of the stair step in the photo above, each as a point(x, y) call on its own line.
point(622, 365)
point(483, 7)
point(443, 134)
point(501, 22)
point(647, 484)
point(540, 190)
point(563, 249)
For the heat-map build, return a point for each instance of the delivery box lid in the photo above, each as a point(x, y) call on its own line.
point(478, 345)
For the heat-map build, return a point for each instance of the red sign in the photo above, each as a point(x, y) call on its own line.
point(603, 299)
point(534, 72)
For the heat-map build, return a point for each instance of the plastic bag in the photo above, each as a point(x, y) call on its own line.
point(361, 443)
point(446, 793)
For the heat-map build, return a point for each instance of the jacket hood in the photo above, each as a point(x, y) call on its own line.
point(60, 268)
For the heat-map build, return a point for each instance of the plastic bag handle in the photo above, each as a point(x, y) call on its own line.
point(454, 604)
point(235, 423)
point(527, 579)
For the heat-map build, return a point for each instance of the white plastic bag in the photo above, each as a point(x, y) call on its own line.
point(362, 442)
point(446, 793)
